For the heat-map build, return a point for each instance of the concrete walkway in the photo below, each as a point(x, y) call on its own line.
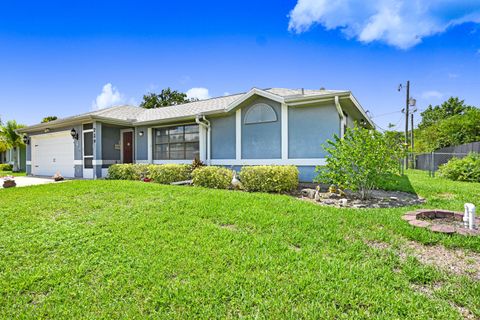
point(29, 181)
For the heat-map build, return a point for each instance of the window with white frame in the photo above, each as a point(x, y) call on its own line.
point(259, 113)
point(176, 143)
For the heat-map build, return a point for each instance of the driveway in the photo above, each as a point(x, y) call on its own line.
point(29, 181)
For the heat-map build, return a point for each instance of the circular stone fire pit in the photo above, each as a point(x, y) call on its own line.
point(440, 221)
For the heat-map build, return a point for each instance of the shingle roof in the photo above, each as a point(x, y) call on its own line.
point(220, 104)
point(188, 109)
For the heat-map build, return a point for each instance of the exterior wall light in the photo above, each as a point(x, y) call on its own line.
point(74, 134)
point(141, 133)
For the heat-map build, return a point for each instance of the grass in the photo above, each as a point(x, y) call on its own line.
point(121, 249)
point(11, 173)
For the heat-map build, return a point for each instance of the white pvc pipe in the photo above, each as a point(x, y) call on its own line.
point(469, 216)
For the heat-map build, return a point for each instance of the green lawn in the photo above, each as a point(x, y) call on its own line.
point(10, 173)
point(120, 249)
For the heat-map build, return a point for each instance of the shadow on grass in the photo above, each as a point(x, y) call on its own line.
point(397, 183)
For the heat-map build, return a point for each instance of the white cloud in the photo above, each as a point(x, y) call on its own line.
point(109, 97)
point(432, 94)
point(198, 93)
point(400, 23)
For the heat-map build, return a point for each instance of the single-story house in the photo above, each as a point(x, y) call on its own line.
point(260, 127)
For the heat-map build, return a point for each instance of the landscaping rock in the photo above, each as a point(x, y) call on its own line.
point(330, 195)
point(309, 193)
point(349, 199)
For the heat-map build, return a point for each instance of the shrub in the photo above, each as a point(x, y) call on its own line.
point(127, 171)
point(466, 169)
point(168, 173)
point(212, 177)
point(6, 167)
point(360, 161)
point(162, 173)
point(269, 178)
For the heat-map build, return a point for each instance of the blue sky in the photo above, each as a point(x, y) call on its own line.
point(55, 59)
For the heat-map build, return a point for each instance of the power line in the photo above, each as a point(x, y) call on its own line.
point(386, 114)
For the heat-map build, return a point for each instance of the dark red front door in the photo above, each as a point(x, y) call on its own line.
point(128, 147)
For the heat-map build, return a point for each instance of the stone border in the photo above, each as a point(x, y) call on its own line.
point(425, 218)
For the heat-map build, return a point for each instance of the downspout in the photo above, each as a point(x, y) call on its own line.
point(342, 116)
point(202, 121)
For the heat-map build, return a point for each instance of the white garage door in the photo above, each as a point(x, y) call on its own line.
point(53, 152)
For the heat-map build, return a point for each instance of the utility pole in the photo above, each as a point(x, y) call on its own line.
point(411, 141)
point(407, 104)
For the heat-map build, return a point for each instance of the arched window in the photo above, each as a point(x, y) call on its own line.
point(260, 112)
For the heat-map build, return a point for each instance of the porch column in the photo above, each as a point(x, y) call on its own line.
point(238, 134)
point(97, 150)
point(202, 141)
point(150, 145)
point(284, 117)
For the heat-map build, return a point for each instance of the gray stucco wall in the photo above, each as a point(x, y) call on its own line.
point(223, 137)
point(262, 140)
point(110, 138)
point(309, 128)
point(141, 143)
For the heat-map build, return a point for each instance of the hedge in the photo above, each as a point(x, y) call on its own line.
point(212, 177)
point(466, 169)
point(164, 173)
point(269, 178)
point(168, 173)
point(127, 171)
point(6, 167)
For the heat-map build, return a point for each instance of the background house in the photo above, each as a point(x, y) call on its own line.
point(271, 126)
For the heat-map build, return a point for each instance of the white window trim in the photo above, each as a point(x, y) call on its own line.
point(284, 117)
point(257, 162)
point(257, 105)
point(151, 143)
point(238, 134)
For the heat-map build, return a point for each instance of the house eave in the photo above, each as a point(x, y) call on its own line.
point(68, 122)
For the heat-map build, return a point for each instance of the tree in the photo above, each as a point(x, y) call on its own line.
point(453, 106)
point(361, 161)
point(458, 129)
point(12, 139)
point(167, 97)
point(49, 118)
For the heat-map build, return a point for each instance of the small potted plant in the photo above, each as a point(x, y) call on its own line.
point(9, 182)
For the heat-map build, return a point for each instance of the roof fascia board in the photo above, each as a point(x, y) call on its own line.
point(54, 124)
point(314, 98)
point(61, 123)
point(360, 108)
point(251, 93)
